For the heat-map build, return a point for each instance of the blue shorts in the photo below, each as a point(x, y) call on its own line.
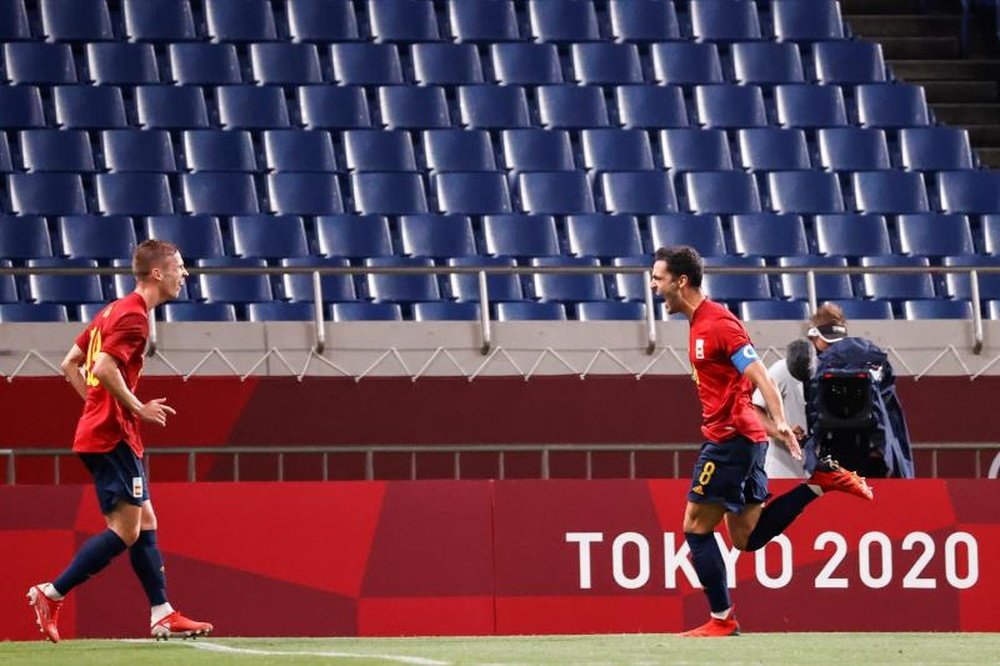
point(118, 476)
point(730, 473)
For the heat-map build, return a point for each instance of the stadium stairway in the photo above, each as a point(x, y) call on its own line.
point(922, 42)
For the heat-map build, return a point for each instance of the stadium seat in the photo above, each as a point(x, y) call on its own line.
point(133, 194)
point(526, 64)
point(651, 107)
point(848, 62)
point(630, 286)
point(730, 106)
point(772, 149)
point(269, 236)
point(163, 21)
point(396, 288)
point(458, 150)
point(774, 310)
point(612, 149)
point(993, 310)
point(219, 150)
point(250, 107)
point(809, 106)
point(562, 20)
point(934, 234)
point(828, 286)
point(198, 236)
point(492, 107)
point(851, 235)
point(96, 237)
point(410, 107)
point(769, 235)
point(32, 312)
point(299, 150)
point(223, 288)
point(935, 148)
point(488, 22)
point(366, 312)
point(56, 150)
point(195, 64)
point(611, 311)
point(46, 194)
point(637, 192)
point(79, 21)
point(695, 149)
point(724, 21)
point(686, 63)
point(605, 63)
point(294, 193)
point(889, 192)
point(859, 309)
point(353, 236)
point(364, 64)
point(120, 63)
point(171, 107)
point(894, 286)
point(378, 150)
point(766, 63)
point(70, 289)
point(138, 150)
point(89, 107)
point(702, 232)
point(240, 20)
point(333, 107)
point(969, 191)
point(39, 62)
point(283, 64)
point(735, 287)
point(472, 193)
point(324, 21)
point(572, 107)
point(390, 193)
point(277, 311)
point(215, 193)
point(530, 311)
point(174, 312)
point(937, 309)
point(852, 149)
point(537, 150)
point(603, 235)
point(446, 64)
point(805, 192)
point(335, 287)
point(958, 285)
point(643, 21)
point(14, 21)
point(6, 161)
point(991, 233)
point(520, 235)
point(436, 236)
point(25, 237)
point(796, 21)
point(567, 287)
point(21, 107)
point(8, 288)
point(724, 192)
point(891, 105)
point(499, 286)
point(555, 192)
point(393, 21)
point(445, 311)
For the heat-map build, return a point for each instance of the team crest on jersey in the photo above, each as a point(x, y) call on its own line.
point(699, 348)
point(137, 487)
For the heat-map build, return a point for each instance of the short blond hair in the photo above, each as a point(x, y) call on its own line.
point(151, 254)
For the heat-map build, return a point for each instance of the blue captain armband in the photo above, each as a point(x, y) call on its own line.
point(743, 357)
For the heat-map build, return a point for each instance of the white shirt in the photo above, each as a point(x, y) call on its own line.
point(779, 463)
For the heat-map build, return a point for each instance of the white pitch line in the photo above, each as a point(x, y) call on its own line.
point(216, 647)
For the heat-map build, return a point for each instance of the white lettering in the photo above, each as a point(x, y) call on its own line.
point(912, 579)
point(618, 556)
point(824, 580)
point(864, 560)
point(971, 556)
point(729, 556)
point(760, 564)
point(584, 539)
point(677, 558)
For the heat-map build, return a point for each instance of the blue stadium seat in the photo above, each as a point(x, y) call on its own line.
point(937, 309)
point(163, 21)
point(638, 192)
point(219, 150)
point(993, 310)
point(774, 310)
point(390, 193)
point(446, 64)
point(8, 288)
point(294, 193)
point(891, 105)
point(702, 232)
point(562, 20)
point(526, 64)
point(493, 107)
point(809, 106)
point(934, 234)
point(613, 149)
point(436, 236)
point(133, 194)
point(240, 20)
point(269, 236)
point(520, 235)
point(651, 107)
point(499, 286)
point(324, 21)
point(96, 237)
point(299, 150)
point(46, 194)
point(299, 286)
point(32, 312)
point(71, 289)
point(572, 107)
point(216, 193)
point(458, 150)
point(991, 233)
point(555, 192)
point(828, 286)
point(56, 150)
point(21, 107)
point(198, 236)
point(171, 107)
point(195, 64)
point(796, 21)
point(851, 235)
point(24, 237)
point(603, 235)
point(396, 288)
point(365, 64)
point(250, 107)
point(958, 285)
point(378, 150)
point(567, 287)
point(89, 107)
point(686, 63)
point(695, 149)
point(78, 21)
point(723, 192)
point(14, 21)
point(852, 149)
point(445, 311)
point(284, 64)
point(629, 286)
point(537, 150)
point(611, 311)
point(121, 63)
point(766, 63)
point(530, 311)
point(393, 21)
point(277, 311)
point(969, 191)
point(138, 150)
point(859, 309)
point(353, 236)
point(935, 148)
point(472, 193)
point(848, 62)
point(769, 235)
point(221, 288)
point(487, 22)
point(6, 161)
point(173, 312)
point(643, 21)
point(772, 149)
point(806, 192)
point(896, 286)
point(38, 62)
point(724, 21)
point(605, 63)
point(411, 107)
point(730, 106)
point(333, 107)
point(735, 287)
point(889, 192)
point(366, 312)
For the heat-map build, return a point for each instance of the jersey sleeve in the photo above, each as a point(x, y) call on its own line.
point(733, 339)
point(83, 340)
point(126, 336)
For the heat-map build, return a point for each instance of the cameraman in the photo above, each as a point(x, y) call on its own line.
point(788, 374)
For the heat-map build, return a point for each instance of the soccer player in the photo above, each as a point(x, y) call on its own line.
point(729, 480)
point(110, 354)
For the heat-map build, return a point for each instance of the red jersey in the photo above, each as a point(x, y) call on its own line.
point(725, 393)
point(119, 330)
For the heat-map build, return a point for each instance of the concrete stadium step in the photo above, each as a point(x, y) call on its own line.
point(918, 48)
point(984, 135)
point(946, 70)
point(900, 6)
point(877, 26)
point(958, 91)
point(989, 157)
point(967, 114)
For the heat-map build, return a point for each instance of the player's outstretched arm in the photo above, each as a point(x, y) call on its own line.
point(757, 373)
point(107, 372)
point(71, 370)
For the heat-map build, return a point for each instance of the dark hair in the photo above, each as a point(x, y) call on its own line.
point(800, 357)
point(682, 260)
point(151, 254)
